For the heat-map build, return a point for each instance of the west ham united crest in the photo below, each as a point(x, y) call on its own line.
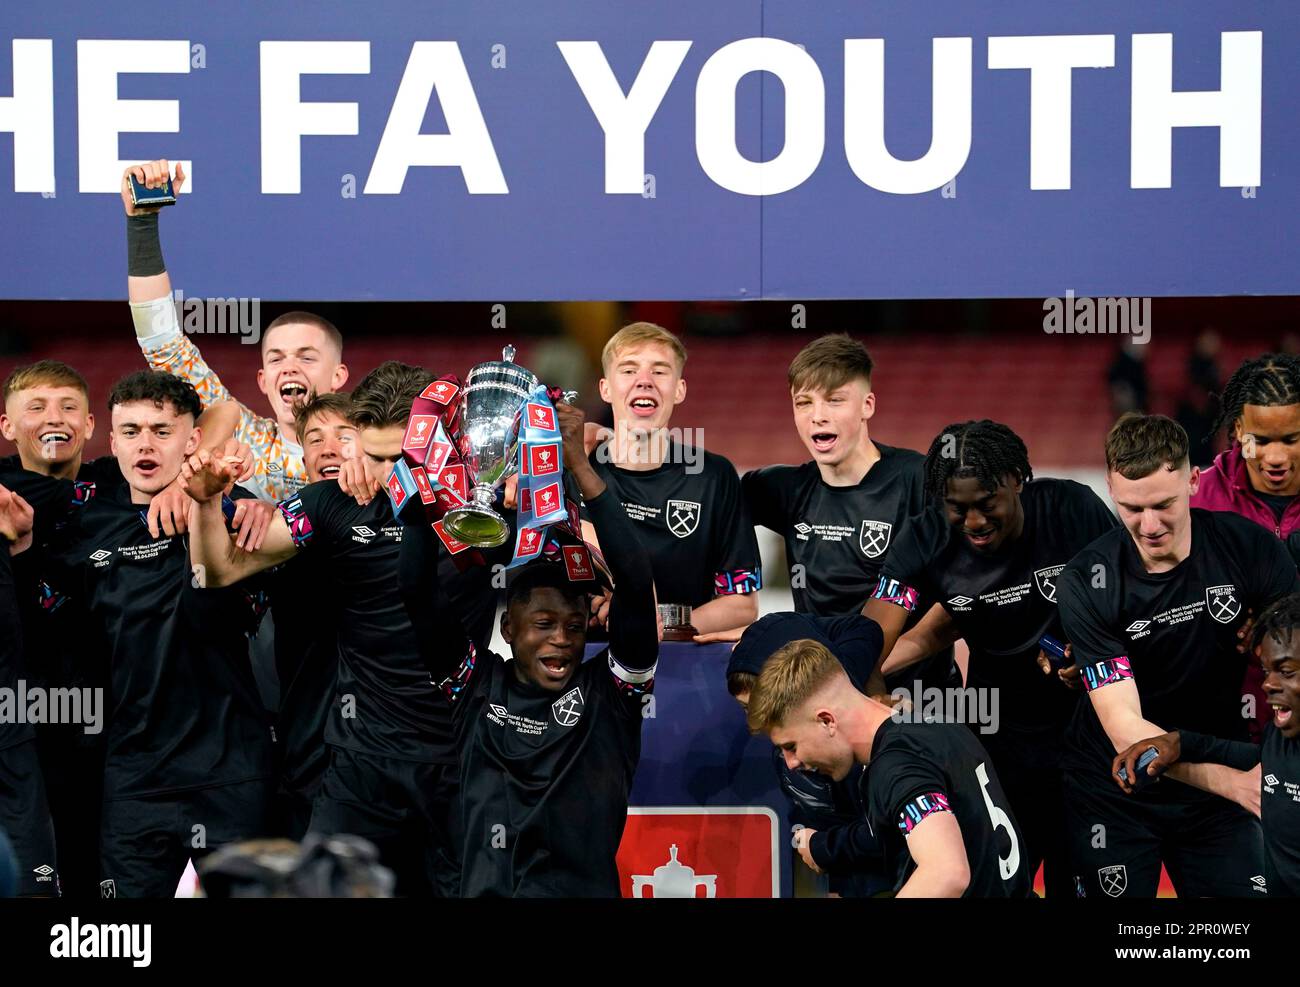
point(874, 538)
point(1114, 879)
point(1046, 581)
point(1223, 603)
point(683, 517)
point(568, 708)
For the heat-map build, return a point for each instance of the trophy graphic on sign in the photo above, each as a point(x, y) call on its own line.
point(674, 880)
point(495, 392)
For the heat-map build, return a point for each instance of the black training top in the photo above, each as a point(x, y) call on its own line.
point(545, 775)
point(918, 769)
point(184, 710)
point(1002, 604)
point(1174, 633)
point(694, 525)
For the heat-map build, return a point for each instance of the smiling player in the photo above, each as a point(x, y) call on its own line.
point(686, 502)
point(1275, 766)
point(301, 352)
point(391, 776)
point(991, 547)
point(548, 743)
point(1153, 611)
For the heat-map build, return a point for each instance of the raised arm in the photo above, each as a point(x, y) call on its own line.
point(147, 278)
point(212, 550)
point(149, 290)
point(633, 633)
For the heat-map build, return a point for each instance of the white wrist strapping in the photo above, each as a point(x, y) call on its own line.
point(155, 321)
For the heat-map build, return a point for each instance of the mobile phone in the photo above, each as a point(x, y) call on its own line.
point(1143, 779)
point(1055, 651)
point(164, 195)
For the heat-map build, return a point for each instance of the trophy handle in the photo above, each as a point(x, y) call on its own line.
point(568, 397)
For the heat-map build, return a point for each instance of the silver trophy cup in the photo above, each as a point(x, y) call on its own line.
point(494, 392)
point(494, 396)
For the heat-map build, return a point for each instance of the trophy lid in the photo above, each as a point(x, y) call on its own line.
point(508, 353)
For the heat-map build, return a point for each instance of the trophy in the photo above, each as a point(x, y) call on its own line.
point(494, 393)
point(676, 619)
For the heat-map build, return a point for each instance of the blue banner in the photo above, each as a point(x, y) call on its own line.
point(497, 150)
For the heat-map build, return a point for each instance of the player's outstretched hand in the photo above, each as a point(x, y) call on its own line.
point(1069, 677)
point(720, 637)
point(16, 520)
point(204, 476)
point(151, 174)
point(803, 838)
point(239, 454)
point(1167, 744)
point(169, 511)
point(356, 482)
point(251, 522)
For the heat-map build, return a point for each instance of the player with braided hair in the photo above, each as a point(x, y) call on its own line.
point(1276, 765)
point(990, 547)
point(1258, 477)
point(985, 450)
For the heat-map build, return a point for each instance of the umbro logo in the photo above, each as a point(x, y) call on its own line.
point(1257, 883)
point(43, 873)
point(100, 555)
point(1137, 625)
point(960, 601)
point(802, 528)
point(362, 534)
point(1270, 779)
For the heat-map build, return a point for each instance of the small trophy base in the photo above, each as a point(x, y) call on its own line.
point(677, 622)
point(480, 527)
point(680, 633)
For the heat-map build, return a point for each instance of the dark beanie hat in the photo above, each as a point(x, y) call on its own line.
point(770, 633)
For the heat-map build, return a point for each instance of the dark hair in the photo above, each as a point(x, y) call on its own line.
point(1278, 622)
point(384, 395)
point(306, 319)
point(545, 575)
point(335, 402)
point(1271, 380)
point(45, 373)
point(984, 449)
point(158, 387)
point(738, 682)
point(1138, 445)
point(830, 362)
